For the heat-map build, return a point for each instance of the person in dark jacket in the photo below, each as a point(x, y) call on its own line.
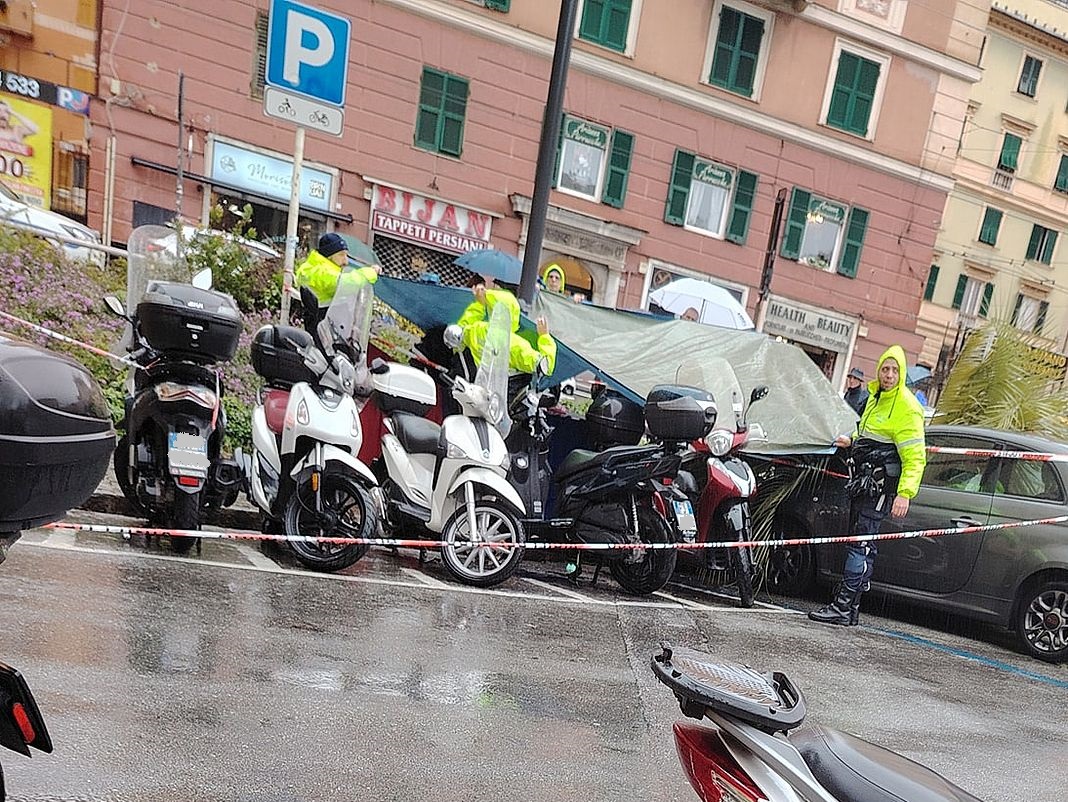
point(856, 394)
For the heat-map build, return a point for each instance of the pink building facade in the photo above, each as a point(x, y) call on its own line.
point(684, 119)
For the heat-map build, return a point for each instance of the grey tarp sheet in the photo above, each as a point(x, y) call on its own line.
point(801, 414)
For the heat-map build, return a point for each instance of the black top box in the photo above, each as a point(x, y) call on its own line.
point(680, 413)
point(276, 360)
point(188, 322)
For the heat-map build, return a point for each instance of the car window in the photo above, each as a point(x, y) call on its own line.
point(957, 472)
point(1030, 479)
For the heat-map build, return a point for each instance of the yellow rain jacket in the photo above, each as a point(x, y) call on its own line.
point(895, 416)
point(522, 355)
point(319, 274)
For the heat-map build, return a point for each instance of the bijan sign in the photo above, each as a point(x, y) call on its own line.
point(428, 221)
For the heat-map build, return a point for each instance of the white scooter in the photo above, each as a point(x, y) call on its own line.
point(303, 471)
point(452, 479)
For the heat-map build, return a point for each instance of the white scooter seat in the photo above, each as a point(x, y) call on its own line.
point(417, 435)
point(854, 770)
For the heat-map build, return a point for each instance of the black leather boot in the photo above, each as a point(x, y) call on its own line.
point(840, 611)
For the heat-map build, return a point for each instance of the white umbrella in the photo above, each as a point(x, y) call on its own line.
point(715, 305)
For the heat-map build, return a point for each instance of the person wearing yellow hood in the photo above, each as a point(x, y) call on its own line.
point(523, 356)
point(887, 457)
point(554, 279)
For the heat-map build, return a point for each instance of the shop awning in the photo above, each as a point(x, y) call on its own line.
point(137, 161)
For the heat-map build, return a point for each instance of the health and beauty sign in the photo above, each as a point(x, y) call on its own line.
point(26, 149)
point(267, 175)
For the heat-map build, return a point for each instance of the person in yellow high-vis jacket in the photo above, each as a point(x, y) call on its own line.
point(888, 452)
point(320, 271)
point(523, 356)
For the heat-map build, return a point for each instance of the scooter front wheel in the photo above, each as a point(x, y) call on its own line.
point(346, 509)
point(495, 550)
point(652, 572)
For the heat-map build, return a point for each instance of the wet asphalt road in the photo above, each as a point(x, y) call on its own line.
point(235, 676)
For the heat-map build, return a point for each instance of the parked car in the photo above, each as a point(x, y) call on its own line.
point(258, 250)
point(15, 209)
point(1016, 577)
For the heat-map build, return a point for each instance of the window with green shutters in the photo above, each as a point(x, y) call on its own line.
point(439, 125)
point(984, 305)
point(710, 198)
point(988, 232)
point(932, 281)
point(853, 95)
point(736, 51)
point(1040, 246)
point(498, 5)
point(1010, 153)
point(1029, 314)
point(958, 293)
point(1028, 84)
point(593, 161)
point(606, 23)
point(824, 234)
point(1060, 183)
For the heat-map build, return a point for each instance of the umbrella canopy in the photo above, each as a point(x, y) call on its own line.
point(712, 303)
point(360, 252)
point(492, 262)
point(916, 374)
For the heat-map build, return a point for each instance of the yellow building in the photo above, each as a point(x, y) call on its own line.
point(48, 58)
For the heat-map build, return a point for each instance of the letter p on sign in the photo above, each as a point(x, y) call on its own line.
point(307, 51)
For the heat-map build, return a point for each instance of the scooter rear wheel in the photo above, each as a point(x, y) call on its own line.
point(497, 551)
point(347, 508)
point(654, 571)
point(185, 514)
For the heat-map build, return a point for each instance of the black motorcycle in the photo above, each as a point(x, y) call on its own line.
point(169, 462)
point(616, 493)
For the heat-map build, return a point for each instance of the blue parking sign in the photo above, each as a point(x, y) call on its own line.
point(308, 51)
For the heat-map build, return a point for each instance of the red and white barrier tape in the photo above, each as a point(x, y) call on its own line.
point(55, 335)
point(435, 544)
point(1032, 456)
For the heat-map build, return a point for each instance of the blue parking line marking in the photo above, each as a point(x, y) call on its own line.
point(988, 661)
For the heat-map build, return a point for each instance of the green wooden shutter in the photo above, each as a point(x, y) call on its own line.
point(1046, 256)
point(1040, 321)
point(723, 54)
point(679, 190)
point(590, 24)
point(864, 97)
point(1010, 153)
point(854, 242)
point(616, 24)
point(742, 211)
point(737, 51)
point(958, 294)
point(498, 5)
point(795, 223)
point(1061, 182)
point(1029, 76)
point(615, 185)
point(1035, 242)
point(844, 79)
point(988, 233)
point(984, 305)
point(853, 95)
point(1016, 309)
point(454, 112)
point(559, 150)
point(748, 54)
point(431, 97)
point(932, 280)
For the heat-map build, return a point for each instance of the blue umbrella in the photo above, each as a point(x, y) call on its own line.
point(916, 374)
point(492, 262)
point(360, 253)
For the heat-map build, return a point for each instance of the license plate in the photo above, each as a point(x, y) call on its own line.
point(684, 517)
point(192, 443)
point(188, 454)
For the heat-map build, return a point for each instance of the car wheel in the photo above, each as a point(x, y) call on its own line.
point(1042, 620)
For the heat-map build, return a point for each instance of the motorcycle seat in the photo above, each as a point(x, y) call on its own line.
point(574, 462)
point(275, 402)
point(854, 770)
point(417, 435)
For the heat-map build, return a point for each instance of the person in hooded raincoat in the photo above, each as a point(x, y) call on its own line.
point(523, 356)
point(888, 454)
point(322, 269)
point(553, 279)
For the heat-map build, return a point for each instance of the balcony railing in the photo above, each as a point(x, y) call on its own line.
point(1002, 179)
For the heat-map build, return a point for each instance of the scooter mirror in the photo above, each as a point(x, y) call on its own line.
point(567, 387)
point(115, 306)
point(543, 366)
point(379, 366)
point(758, 393)
point(202, 279)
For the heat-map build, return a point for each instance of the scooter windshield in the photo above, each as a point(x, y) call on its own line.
point(717, 377)
point(349, 313)
point(152, 256)
point(492, 374)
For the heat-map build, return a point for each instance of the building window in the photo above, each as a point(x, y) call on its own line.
point(1010, 153)
point(259, 56)
point(737, 40)
point(710, 198)
point(593, 161)
point(824, 234)
point(1060, 183)
point(606, 23)
point(988, 232)
point(70, 182)
point(1029, 313)
point(439, 125)
point(1040, 246)
point(932, 280)
point(852, 97)
point(972, 297)
point(1028, 84)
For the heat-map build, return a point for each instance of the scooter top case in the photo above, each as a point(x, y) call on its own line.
point(56, 437)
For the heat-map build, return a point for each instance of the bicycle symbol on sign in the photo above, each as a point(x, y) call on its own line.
point(286, 108)
point(319, 117)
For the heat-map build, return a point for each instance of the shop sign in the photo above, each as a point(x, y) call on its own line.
point(428, 221)
point(44, 91)
point(821, 211)
point(270, 176)
point(587, 133)
point(26, 149)
point(807, 325)
point(709, 173)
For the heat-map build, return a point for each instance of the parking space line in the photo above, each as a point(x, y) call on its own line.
point(725, 596)
point(255, 556)
point(555, 589)
point(685, 602)
point(429, 581)
point(59, 539)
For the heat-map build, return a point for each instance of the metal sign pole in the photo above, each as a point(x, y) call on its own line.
point(291, 224)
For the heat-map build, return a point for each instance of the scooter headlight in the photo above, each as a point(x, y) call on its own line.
point(303, 416)
point(720, 442)
point(453, 451)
